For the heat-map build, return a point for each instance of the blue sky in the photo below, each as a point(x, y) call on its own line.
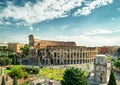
point(87, 22)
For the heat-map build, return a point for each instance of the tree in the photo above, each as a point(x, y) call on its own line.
point(15, 82)
point(74, 76)
point(108, 58)
point(117, 64)
point(7, 60)
point(118, 51)
point(11, 56)
point(3, 81)
point(3, 56)
point(2, 62)
point(2, 48)
point(25, 50)
point(14, 61)
point(112, 79)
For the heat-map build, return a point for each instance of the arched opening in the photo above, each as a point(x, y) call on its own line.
point(71, 61)
point(77, 61)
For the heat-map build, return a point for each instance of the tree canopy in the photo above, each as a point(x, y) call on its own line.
point(112, 79)
point(117, 64)
point(108, 58)
point(118, 51)
point(25, 50)
point(74, 76)
point(5, 61)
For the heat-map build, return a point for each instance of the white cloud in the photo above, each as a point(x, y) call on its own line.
point(81, 39)
point(12, 38)
point(41, 11)
point(117, 30)
point(91, 40)
point(48, 9)
point(7, 23)
point(86, 39)
point(94, 32)
point(86, 10)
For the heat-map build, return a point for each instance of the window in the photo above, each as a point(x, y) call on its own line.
point(55, 54)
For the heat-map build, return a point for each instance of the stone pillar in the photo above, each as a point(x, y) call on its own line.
point(45, 61)
point(48, 62)
point(70, 56)
point(88, 60)
point(79, 57)
point(62, 61)
point(2, 71)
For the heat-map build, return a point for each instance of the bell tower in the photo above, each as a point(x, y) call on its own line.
point(31, 40)
point(31, 43)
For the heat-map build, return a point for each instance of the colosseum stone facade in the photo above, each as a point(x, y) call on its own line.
point(47, 52)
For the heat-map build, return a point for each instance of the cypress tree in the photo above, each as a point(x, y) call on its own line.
point(14, 60)
point(15, 81)
point(112, 79)
point(3, 81)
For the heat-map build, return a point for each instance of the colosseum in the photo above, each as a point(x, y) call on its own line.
point(46, 52)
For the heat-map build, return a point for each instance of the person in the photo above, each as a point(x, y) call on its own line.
point(7, 78)
point(32, 83)
point(51, 82)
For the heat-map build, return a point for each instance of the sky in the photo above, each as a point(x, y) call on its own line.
point(86, 22)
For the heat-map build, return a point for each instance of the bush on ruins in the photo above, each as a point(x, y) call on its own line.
point(17, 72)
point(31, 70)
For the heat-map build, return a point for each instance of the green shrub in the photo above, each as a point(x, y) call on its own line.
point(5, 61)
point(74, 76)
point(31, 70)
point(18, 72)
point(2, 62)
point(35, 70)
point(9, 68)
point(8, 61)
point(25, 75)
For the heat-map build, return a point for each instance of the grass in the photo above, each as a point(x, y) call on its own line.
point(7, 71)
point(14, 66)
point(56, 74)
